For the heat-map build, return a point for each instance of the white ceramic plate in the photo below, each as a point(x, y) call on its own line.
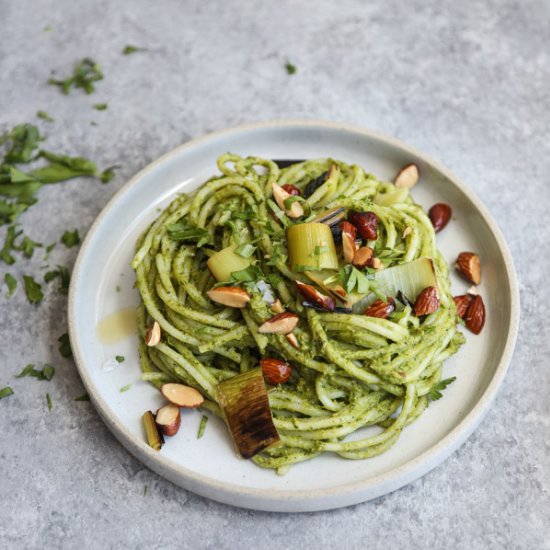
point(208, 466)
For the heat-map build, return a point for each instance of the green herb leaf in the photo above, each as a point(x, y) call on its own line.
point(24, 139)
point(49, 402)
point(185, 231)
point(84, 75)
point(83, 397)
point(290, 68)
point(33, 290)
point(100, 106)
point(245, 250)
point(4, 392)
point(27, 246)
point(355, 279)
point(129, 49)
point(119, 358)
point(65, 345)
point(70, 238)
point(63, 167)
point(436, 389)
point(11, 283)
point(250, 274)
point(45, 116)
point(46, 373)
point(125, 388)
point(49, 248)
point(202, 426)
point(5, 253)
point(51, 275)
point(108, 174)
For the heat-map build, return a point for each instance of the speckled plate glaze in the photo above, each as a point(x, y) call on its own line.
point(103, 283)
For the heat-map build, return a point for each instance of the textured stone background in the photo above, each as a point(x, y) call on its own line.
point(467, 82)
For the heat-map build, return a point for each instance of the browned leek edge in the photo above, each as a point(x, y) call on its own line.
point(154, 438)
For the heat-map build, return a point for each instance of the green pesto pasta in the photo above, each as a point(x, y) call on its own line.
point(349, 370)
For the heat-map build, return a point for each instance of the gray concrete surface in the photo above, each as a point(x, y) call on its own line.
point(467, 82)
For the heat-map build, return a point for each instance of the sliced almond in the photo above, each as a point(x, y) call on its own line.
point(282, 323)
point(314, 298)
point(231, 296)
point(349, 232)
point(153, 334)
point(280, 195)
point(292, 340)
point(362, 257)
point(376, 263)
point(277, 307)
point(168, 419)
point(182, 396)
point(408, 177)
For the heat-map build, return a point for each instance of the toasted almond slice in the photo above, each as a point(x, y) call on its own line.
point(168, 419)
point(362, 257)
point(408, 177)
point(153, 334)
point(349, 232)
point(376, 263)
point(231, 296)
point(314, 297)
point(280, 195)
point(277, 307)
point(181, 395)
point(292, 340)
point(282, 323)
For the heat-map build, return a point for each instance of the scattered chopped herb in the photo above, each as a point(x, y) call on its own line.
point(290, 68)
point(84, 75)
point(63, 167)
point(250, 274)
point(4, 392)
point(49, 248)
point(93, 123)
point(120, 358)
point(46, 373)
point(51, 275)
point(45, 116)
point(49, 402)
point(70, 238)
point(11, 283)
point(33, 290)
point(125, 388)
point(117, 288)
point(65, 345)
point(62, 272)
point(24, 140)
point(245, 250)
point(47, 28)
point(100, 106)
point(145, 490)
point(128, 49)
point(184, 231)
point(108, 174)
point(83, 397)
point(202, 426)
point(27, 246)
point(353, 278)
point(5, 253)
point(435, 391)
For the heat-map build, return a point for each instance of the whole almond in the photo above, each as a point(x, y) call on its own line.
point(440, 215)
point(275, 371)
point(362, 257)
point(282, 323)
point(153, 334)
point(475, 315)
point(469, 266)
point(349, 232)
point(168, 419)
point(314, 297)
point(280, 195)
point(381, 309)
point(231, 296)
point(462, 303)
point(407, 177)
point(366, 224)
point(427, 301)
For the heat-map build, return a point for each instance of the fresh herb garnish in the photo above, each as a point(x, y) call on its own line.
point(290, 68)
point(250, 274)
point(45, 116)
point(83, 397)
point(125, 388)
point(49, 402)
point(63, 167)
point(436, 389)
point(24, 139)
point(62, 272)
point(185, 231)
point(4, 392)
point(11, 283)
point(202, 426)
point(27, 246)
point(84, 75)
point(245, 250)
point(70, 238)
point(33, 290)
point(353, 278)
point(5, 253)
point(65, 345)
point(108, 174)
point(128, 49)
point(100, 106)
point(49, 248)
point(120, 358)
point(46, 373)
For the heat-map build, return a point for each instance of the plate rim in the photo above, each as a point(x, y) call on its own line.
point(313, 499)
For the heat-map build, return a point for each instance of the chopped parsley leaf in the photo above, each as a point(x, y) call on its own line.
point(65, 345)
point(4, 392)
point(11, 283)
point(119, 358)
point(100, 106)
point(108, 174)
point(70, 238)
point(45, 116)
point(129, 49)
point(290, 68)
point(49, 402)
point(125, 388)
point(83, 397)
point(46, 373)
point(436, 389)
point(33, 290)
point(84, 75)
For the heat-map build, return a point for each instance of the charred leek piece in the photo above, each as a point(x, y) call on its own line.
point(311, 247)
point(154, 438)
point(324, 280)
point(225, 262)
point(410, 278)
point(245, 406)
